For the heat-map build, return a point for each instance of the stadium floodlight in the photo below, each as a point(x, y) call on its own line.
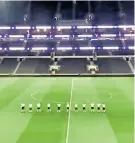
point(129, 35)
point(111, 48)
point(105, 26)
point(4, 27)
point(93, 39)
point(132, 47)
point(64, 48)
point(67, 36)
point(82, 36)
point(39, 36)
point(87, 48)
point(22, 27)
point(16, 36)
point(63, 27)
point(108, 35)
point(16, 48)
point(43, 27)
point(73, 27)
point(0, 48)
point(126, 26)
point(62, 36)
point(39, 48)
point(84, 27)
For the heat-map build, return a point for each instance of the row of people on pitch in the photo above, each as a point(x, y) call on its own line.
point(31, 107)
point(92, 106)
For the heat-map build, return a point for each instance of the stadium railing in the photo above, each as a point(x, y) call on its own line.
point(71, 75)
point(45, 57)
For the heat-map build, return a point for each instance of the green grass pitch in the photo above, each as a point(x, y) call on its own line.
point(114, 126)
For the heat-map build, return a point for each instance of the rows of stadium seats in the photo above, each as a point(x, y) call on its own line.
point(28, 66)
point(34, 66)
point(73, 66)
point(43, 66)
point(78, 66)
point(8, 65)
point(113, 65)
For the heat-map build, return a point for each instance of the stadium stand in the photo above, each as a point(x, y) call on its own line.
point(42, 66)
point(74, 50)
point(113, 65)
point(77, 66)
point(67, 65)
point(8, 66)
point(27, 66)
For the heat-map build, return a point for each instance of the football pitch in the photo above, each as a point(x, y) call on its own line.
point(114, 126)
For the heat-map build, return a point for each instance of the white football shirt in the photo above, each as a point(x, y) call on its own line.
point(30, 105)
point(92, 105)
point(58, 105)
point(22, 105)
point(38, 105)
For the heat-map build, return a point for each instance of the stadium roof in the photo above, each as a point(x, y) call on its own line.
point(46, 12)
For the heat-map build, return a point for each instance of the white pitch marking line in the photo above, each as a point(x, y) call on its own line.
point(34, 97)
point(69, 111)
point(110, 96)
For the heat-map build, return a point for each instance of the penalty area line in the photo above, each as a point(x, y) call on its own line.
point(34, 98)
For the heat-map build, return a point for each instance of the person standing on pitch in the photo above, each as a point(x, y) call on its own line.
point(76, 107)
point(58, 107)
point(49, 107)
point(22, 108)
point(98, 107)
point(84, 107)
point(30, 107)
point(92, 107)
point(103, 108)
point(38, 107)
point(68, 107)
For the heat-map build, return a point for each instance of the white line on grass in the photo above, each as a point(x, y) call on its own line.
point(34, 97)
point(108, 98)
point(71, 94)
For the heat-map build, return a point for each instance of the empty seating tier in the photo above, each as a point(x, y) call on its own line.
point(28, 66)
point(43, 66)
point(113, 65)
point(76, 66)
point(8, 66)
